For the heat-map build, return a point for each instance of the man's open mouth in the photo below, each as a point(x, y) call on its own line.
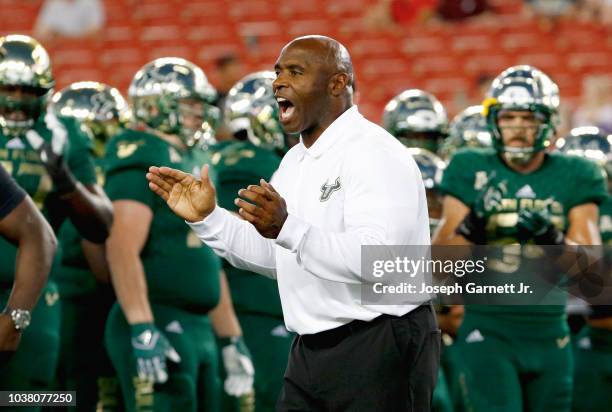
point(287, 109)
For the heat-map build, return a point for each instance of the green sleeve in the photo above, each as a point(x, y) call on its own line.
point(129, 184)
point(458, 178)
point(591, 185)
point(239, 166)
point(80, 155)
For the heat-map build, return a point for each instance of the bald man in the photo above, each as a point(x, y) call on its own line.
point(347, 183)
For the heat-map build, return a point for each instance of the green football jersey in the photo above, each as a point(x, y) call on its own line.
point(239, 165)
point(605, 221)
point(21, 160)
point(181, 271)
point(561, 183)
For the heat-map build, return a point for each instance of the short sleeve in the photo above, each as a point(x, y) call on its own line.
point(129, 184)
point(458, 179)
point(80, 156)
point(591, 186)
point(10, 194)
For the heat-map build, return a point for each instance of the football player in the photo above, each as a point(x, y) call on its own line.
point(519, 195)
point(23, 224)
point(593, 345)
point(417, 119)
point(254, 154)
point(158, 336)
point(51, 159)
point(431, 167)
point(467, 129)
point(82, 277)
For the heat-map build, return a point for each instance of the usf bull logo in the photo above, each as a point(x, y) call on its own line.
point(327, 189)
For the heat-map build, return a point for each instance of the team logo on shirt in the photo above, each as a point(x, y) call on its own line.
point(327, 189)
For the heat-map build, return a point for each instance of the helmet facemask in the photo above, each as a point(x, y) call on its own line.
point(425, 140)
point(26, 83)
point(197, 122)
point(521, 156)
point(266, 129)
point(522, 89)
point(20, 107)
point(417, 119)
point(166, 95)
point(252, 112)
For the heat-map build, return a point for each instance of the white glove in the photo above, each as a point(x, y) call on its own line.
point(238, 366)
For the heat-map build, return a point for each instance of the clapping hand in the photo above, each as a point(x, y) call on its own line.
point(189, 198)
point(265, 209)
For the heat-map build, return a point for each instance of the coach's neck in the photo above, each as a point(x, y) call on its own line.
point(336, 108)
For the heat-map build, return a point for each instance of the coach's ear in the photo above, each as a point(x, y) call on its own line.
point(338, 84)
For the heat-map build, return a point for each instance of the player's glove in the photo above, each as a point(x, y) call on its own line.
point(238, 366)
point(51, 156)
point(151, 348)
point(487, 202)
point(537, 225)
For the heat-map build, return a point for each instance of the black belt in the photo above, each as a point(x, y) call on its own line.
point(332, 337)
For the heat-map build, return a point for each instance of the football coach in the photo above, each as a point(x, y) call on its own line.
point(347, 183)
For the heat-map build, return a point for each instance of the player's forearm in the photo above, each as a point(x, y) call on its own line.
point(95, 254)
point(577, 253)
point(223, 317)
point(37, 246)
point(91, 212)
point(129, 283)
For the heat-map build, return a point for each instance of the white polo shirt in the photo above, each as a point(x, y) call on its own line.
point(356, 185)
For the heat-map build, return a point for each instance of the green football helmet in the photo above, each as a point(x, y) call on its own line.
point(24, 66)
point(417, 119)
point(431, 167)
point(100, 108)
point(162, 94)
point(468, 129)
point(252, 112)
point(590, 142)
point(523, 88)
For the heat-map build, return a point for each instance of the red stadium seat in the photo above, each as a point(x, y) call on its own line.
point(261, 29)
point(543, 61)
point(161, 34)
point(424, 45)
point(442, 57)
point(252, 10)
point(474, 42)
point(197, 12)
point(304, 27)
point(588, 62)
point(486, 63)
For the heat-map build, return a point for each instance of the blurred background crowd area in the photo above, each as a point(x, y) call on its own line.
point(451, 48)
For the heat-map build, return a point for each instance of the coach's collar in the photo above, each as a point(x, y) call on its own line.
point(339, 127)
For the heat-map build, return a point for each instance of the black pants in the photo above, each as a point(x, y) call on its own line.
point(388, 364)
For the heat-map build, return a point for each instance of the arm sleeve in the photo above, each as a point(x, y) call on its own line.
point(592, 187)
point(384, 205)
point(458, 179)
point(129, 184)
point(80, 157)
point(10, 193)
point(237, 241)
